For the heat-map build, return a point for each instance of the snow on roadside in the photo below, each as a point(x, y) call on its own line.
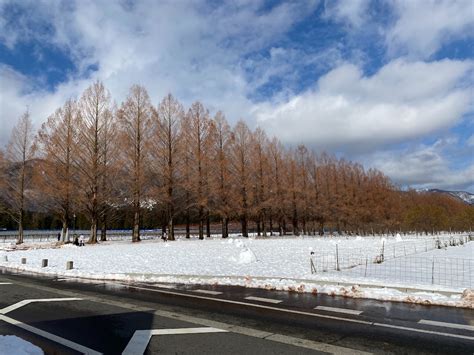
point(10, 344)
point(278, 263)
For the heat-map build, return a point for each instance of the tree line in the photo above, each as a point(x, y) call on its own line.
point(97, 159)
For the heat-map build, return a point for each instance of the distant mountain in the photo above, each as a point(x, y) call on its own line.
point(467, 197)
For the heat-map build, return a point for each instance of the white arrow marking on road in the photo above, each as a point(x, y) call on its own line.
point(25, 302)
point(447, 325)
point(141, 338)
point(261, 299)
point(208, 292)
point(339, 310)
point(55, 338)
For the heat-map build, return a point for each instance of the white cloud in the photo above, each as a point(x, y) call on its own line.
point(353, 12)
point(166, 46)
point(18, 93)
point(425, 166)
point(401, 101)
point(422, 27)
point(201, 52)
point(470, 141)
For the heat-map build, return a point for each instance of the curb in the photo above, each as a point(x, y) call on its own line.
point(184, 278)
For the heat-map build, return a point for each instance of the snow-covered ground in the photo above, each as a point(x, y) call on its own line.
point(10, 344)
point(279, 263)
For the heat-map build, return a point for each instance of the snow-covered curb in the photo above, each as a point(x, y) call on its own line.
point(398, 293)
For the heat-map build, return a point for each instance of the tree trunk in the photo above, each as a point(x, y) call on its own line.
point(171, 229)
point(93, 236)
point(103, 231)
point(201, 223)
point(225, 227)
point(208, 225)
point(136, 225)
point(243, 222)
point(188, 234)
point(64, 230)
point(20, 228)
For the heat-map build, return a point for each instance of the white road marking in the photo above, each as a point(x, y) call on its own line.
point(292, 311)
point(261, 299)
point(141, 338)
point(208, 292)
point(298, 342)
point(55, 338)
point(162, 286)
point(5, 283)
point(423, 331)
point(25, 302)
point(447, 325)
point(338, 310)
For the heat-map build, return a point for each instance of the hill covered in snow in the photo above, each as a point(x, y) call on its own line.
point(467, 197)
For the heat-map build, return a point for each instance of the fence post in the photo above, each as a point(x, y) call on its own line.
point(432, 272)
point(337, 259)
point(313, 268)
point(366, 262)
point(44, 263)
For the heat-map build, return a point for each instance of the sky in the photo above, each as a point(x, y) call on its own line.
point(388, 84)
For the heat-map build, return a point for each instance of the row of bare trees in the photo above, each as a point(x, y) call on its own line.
point(94, 157)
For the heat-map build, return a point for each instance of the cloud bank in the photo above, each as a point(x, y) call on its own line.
point(251, 58)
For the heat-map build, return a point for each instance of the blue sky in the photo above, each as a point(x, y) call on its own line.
point(385, 83)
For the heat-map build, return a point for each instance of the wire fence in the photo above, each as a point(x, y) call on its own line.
point(399, 262)
point(52, 236)
point(452, 272)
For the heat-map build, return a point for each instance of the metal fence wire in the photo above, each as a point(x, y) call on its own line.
point(52, 236)
point(400, 262)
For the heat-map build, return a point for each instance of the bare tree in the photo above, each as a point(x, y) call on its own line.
point(241, 158)
point(94, 109)
point(57, 140)
point(199, 131)
point(260, 179)
point(166, 151)
point(275, 150)
point(303, 162)
point(134, 119)
point(110, 162)
point(222, 146)
point(20, 152)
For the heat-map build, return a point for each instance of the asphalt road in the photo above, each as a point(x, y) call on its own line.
point(67, 316)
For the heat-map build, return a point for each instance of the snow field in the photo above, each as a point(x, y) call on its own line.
point(275, 263)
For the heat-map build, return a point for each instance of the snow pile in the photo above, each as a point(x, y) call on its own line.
point(245, 256)
point(28, 246)
point(468, 296)
point(10, 344)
